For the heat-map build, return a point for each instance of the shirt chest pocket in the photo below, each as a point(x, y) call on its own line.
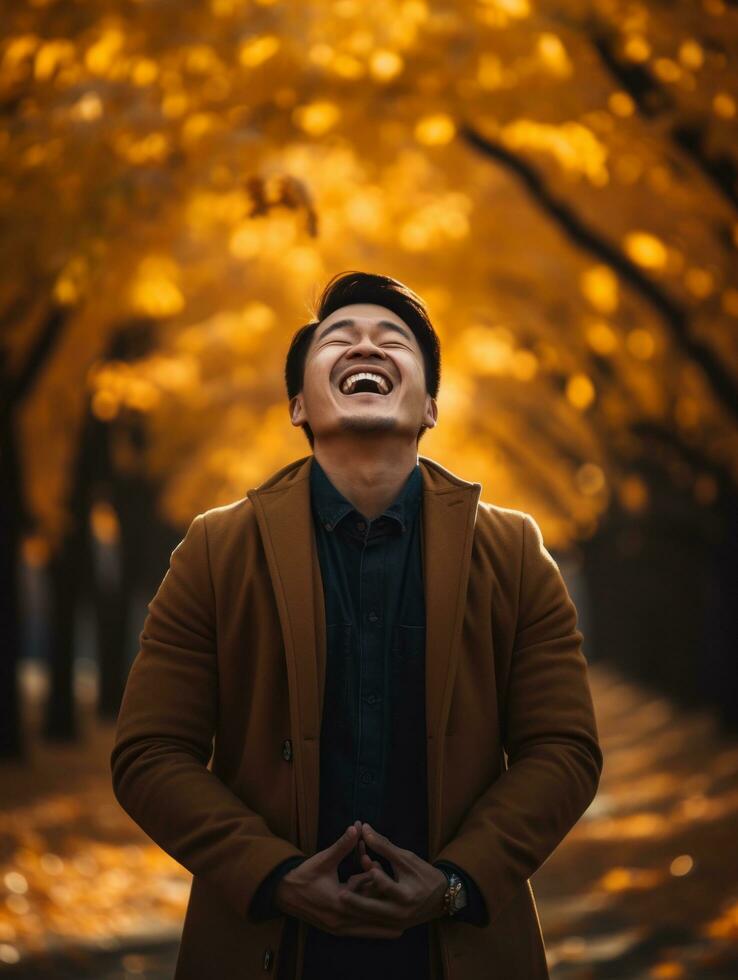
point(408, 644)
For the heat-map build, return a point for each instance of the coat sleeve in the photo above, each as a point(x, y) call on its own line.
point(474, 911)
point(263, 905)
point(164, 734)
point(549, 733)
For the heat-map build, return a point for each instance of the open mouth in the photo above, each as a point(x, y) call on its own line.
point(365, 382)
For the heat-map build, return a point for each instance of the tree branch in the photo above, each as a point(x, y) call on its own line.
point(592, 241)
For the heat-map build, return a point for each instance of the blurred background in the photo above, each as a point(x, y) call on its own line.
point(559, 182)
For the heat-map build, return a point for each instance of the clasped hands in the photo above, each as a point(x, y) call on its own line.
point(370, 903)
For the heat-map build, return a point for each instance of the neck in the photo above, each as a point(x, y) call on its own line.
point(370, 479)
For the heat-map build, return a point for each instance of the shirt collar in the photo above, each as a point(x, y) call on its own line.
point(330, 506)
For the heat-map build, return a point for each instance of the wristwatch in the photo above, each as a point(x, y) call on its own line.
point(454, 899)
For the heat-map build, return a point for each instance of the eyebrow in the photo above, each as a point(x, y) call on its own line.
point(387, 324)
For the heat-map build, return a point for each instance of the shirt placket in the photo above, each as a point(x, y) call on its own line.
point(371, 704)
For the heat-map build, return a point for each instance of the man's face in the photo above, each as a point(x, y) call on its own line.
point(363, 338)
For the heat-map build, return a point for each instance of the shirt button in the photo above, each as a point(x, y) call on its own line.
point(366, 776)
point(371, 699)
point(361, 525)
point(287, 750)
point(372, 617)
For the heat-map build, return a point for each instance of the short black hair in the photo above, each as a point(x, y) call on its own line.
point(346, 288)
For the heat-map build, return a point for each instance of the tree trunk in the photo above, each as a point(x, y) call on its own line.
point(11, 523)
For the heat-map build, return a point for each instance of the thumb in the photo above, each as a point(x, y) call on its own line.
point(343, 846)
point(384, 846)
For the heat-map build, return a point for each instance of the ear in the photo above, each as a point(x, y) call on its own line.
point(297, 411)
point(431, 412)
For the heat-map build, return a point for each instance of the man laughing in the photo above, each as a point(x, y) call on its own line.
point(360, 712)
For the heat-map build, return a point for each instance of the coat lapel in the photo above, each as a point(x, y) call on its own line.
point(449, 516)
point(282, 508)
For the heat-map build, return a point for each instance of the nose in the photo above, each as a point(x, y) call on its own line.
point(365, 346)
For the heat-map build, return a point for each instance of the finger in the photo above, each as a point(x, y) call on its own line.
point(379, 909)
point(383, 845)
point(376, 883)
point(369, 874)
point(358, 881)
point(343, 846)
point(367, 863)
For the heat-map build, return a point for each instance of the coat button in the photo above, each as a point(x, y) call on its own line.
point(287, 750)
point(267, 959)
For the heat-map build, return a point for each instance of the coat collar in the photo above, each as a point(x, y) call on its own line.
point(283, 511)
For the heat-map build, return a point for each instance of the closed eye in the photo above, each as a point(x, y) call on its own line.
point(387, 343)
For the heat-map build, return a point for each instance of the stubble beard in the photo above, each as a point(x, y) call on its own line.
point(368, 423)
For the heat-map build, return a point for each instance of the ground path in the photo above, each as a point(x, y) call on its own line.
point(645, 886)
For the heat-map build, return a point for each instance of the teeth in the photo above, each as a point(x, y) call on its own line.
point(348, 385)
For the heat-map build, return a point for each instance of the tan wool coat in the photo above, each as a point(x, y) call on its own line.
point(216, 752)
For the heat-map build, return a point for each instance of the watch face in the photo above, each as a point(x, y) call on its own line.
point(460, 900)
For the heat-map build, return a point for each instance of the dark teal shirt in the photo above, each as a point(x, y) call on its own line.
point(373, 735)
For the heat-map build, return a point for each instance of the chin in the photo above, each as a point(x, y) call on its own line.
point(367, 423)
